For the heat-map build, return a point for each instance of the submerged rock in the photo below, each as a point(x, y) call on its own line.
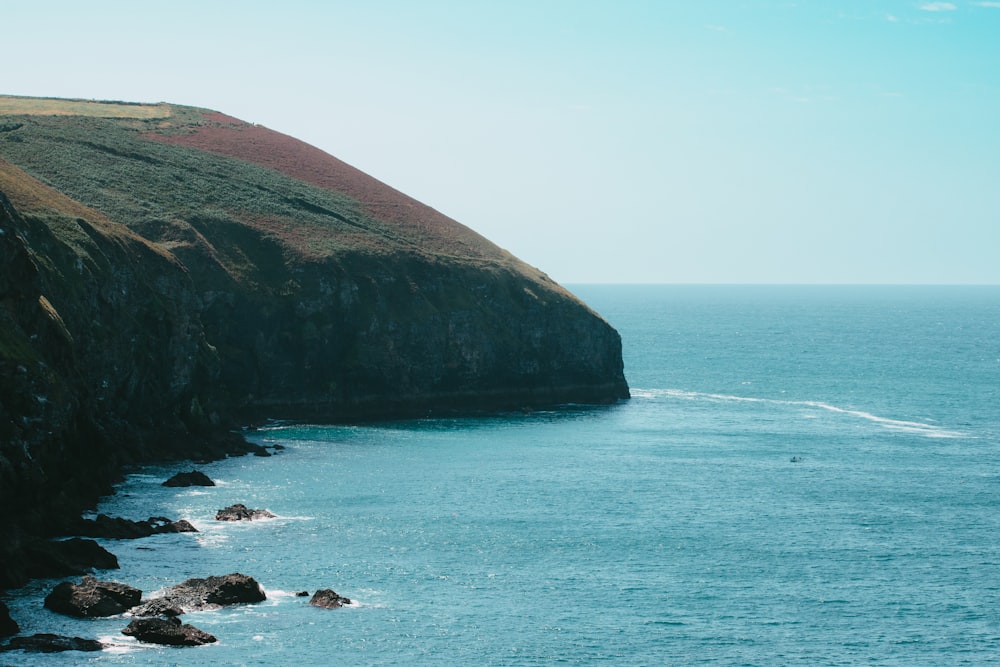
point(167, 631)
point(92, 598)
point(328, 599)
point(198, 594)
point(49, 643)
point(240, 512)
point(193, 478)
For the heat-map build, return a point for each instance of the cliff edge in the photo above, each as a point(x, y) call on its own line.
point(168, 273)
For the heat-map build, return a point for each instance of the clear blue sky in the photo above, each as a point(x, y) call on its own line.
point(696, 141)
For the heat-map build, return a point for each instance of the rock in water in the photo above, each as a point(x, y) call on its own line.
point(239, 512)
point(193, 478)
point(328, 599)
point(157, 607)
point(167, 631)
point(197, 594)
point(116, 528)
point(92, 598)
point(63, 558)
point(179, 526)
point(49, 643)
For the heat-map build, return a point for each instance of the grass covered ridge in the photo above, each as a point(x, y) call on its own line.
point(48, 106)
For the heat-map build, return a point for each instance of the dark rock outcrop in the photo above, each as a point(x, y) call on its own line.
point(193, 478)
point(167, 631)
point(8, 626)
point(49, 643)
point(92, 598)
point(117, 528)
point(240, 512)
point(66, 558)
point(328, 599)
point(158, 607)
point(208, 593)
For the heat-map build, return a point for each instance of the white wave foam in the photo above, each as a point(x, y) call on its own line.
point(276, 593)
point(118, 644)
point(924, 429)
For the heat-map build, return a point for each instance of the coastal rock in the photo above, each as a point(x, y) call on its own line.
point(328, 599)
point(179, 526)
point(64, 558)
point(208, 593)
point(193, 478)
point(116, 528)
point(239, 512)
point(157, 607)
point(8, 626)
point(92, 598)
point(167, 631)
point(49, 643)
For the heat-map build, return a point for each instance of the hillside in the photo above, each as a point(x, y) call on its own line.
point(168, 273)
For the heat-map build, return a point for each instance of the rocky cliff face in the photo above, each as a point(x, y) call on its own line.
point(101, 352)
point(162, 281)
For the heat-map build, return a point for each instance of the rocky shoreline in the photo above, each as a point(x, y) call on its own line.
point(153, 620)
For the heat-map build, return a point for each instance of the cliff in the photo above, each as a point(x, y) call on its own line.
point(167, 273)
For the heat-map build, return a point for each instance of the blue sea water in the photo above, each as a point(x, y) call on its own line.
point(804, 476)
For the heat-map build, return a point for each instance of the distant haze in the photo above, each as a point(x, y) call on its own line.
point(709, 141)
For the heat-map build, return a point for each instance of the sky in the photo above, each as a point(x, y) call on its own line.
point(620, 141)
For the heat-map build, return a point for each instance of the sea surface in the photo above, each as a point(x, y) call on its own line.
point(804, 476)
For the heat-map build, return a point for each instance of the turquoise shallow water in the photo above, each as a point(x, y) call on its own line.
point(672, 529)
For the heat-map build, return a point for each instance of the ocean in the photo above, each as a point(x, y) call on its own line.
point(804, 476)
